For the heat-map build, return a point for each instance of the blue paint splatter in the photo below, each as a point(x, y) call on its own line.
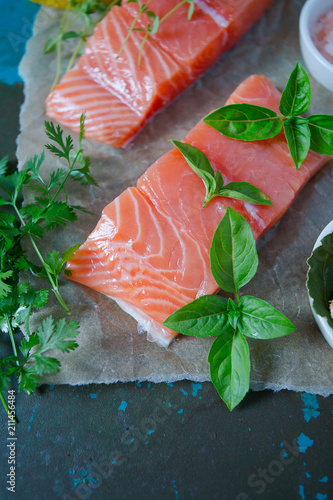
point(196, 388)
point(307, 474)
point(249, 429)
point(312, 406)
point(32, 417)
point(123, 406)
point(76, 482)
point(181, 410)
point(323, 479)
point(301, 491)
point(285, 454)
point(85, 478)
point(138, 384)
point(175, 487)
point(304, 442)
point(184, 392)
point(93, 396)
point(51, 387)
point(151, 431)
point(321, 496)
point(169, 384)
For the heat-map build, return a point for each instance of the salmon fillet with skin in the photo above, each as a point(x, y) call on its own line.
point(150, 249)
point(172, 59)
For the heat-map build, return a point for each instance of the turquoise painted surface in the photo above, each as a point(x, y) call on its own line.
point(311, 406)
point(16, 23)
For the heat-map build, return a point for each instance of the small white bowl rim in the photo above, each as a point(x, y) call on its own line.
point(321, 321)
point(304, 22)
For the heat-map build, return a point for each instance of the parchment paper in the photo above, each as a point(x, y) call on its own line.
point(110, 348)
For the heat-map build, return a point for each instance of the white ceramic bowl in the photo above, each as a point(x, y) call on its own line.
point(322, 322)
point(320, 68)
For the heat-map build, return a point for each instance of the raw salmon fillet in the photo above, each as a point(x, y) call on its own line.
point(119, 96)
point(150, 249)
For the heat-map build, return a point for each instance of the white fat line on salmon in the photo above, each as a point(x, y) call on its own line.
point(133, 66)
point(218, 18)
point(186, 234)
point(102, 277)
point(252, 210)
point(104, 83)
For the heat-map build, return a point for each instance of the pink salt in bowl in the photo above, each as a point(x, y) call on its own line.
point(319, 66)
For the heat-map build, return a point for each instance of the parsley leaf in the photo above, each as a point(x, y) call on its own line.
point(32, 359)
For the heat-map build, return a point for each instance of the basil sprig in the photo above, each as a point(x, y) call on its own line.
point(248, 122)
point(214, 182)
point(234, 262)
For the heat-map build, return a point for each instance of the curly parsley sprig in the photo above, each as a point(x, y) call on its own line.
point(32, 221)
point(46, 212)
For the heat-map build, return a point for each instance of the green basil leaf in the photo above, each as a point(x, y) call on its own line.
point(206, 316)
point(298, 138)
point(246, 192)
point(320, 277)
point(233, 254)
point(200, 164)
point(213, 181)
point(233, 313)
point(245, 122)
point(229, 362)
point(296, 97)
point(259, 320)
point(196, 159)
point(321, 129)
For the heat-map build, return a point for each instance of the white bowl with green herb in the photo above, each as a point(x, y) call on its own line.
point(320, 281)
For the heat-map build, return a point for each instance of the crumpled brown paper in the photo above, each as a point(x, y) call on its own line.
point(110, 348)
